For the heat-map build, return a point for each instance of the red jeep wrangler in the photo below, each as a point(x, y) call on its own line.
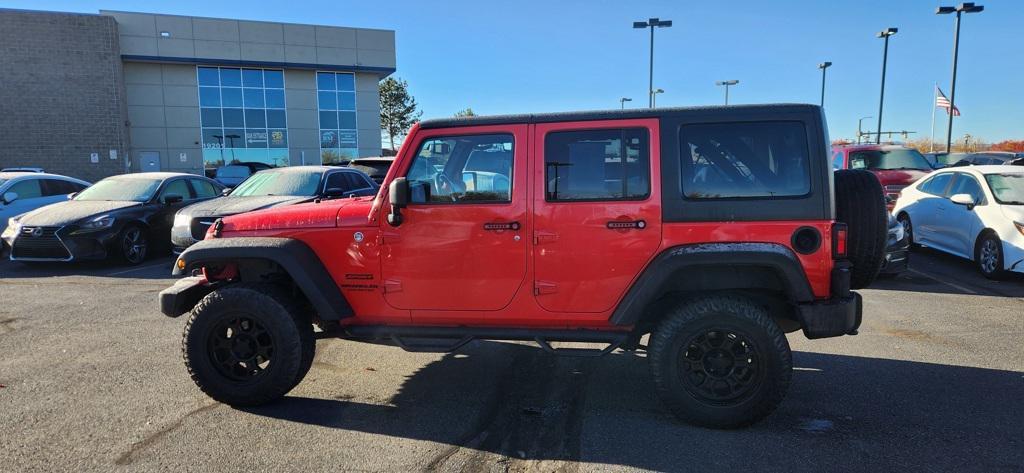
point(713, 230)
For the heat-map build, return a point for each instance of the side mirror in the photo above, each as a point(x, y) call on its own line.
point(226, 191)
point(10, 197)
point(334, 192)
point(172, 199)
point(72, 195)
point(398, 194)
point(963, 199)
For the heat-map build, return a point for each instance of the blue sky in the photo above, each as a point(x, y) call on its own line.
point(533, 56)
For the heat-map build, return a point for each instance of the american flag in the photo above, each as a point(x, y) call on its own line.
point(943, 102)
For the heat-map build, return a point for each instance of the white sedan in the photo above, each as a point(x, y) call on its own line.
point(976, 212)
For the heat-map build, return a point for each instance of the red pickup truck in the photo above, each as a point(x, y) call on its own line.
point(896, 166)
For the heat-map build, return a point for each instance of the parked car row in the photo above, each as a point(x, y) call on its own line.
point(943, 160)
point(128, 217)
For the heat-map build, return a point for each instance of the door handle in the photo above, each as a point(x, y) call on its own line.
point(626, 225)
point(500, 226)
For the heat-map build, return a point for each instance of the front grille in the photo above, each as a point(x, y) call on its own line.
point(894, 188)
point(39, 243)
point(200, 225)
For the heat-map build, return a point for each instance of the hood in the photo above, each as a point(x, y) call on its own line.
point(229, 205)
point(67, 212)
point(901, 177)
point(1013, 212)
point(323, 214)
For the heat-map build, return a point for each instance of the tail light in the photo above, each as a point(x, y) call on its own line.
point(840, 232)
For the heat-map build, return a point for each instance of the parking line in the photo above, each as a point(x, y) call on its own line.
point(134, 269)
point(933, 278)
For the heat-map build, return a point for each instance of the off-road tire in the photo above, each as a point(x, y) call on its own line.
point(860, 204)
point(270, 310)
point(764, 347)
point(996, 271)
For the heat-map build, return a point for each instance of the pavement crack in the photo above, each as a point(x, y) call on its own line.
point(129, 456)
point(6, 324)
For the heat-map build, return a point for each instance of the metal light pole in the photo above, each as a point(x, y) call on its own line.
point(651, 23)
point(860, 133)
point(962, 8)
point(886, 33)
point(622, 102)
point(654, 96)
point(823, 66)
point(727, 83)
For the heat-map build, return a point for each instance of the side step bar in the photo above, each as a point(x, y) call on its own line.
point(447, 339)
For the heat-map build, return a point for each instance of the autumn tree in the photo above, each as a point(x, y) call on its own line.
point(466, 112)
point(397, 108)
point(1016, 146)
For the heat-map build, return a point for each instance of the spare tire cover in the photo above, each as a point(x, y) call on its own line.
point(860, 204)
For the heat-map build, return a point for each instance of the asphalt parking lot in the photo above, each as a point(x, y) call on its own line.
point(91, 378)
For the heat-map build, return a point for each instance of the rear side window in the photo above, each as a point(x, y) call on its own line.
point(59, 187)
point(936, 185)
point(609, 164)
point(203, 189)
point(744, 160)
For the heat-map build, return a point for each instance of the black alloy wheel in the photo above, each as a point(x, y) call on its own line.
point(134, 245)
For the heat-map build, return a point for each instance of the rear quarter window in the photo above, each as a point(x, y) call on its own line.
point(744, 160)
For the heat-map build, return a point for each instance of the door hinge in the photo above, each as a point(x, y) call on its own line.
point(392, 285)
point(544, 287)
point(541, 236)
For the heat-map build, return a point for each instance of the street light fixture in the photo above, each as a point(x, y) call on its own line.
point(651, 23)
point(622, 102)
point(823, 66)
point(654, 96)
point(886, 33)
point(962, 8)
point(727, 84)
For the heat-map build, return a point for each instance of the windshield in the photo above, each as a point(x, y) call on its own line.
point(1007, 188)
point(279, 183)
point(138, 190)
point(900, 158)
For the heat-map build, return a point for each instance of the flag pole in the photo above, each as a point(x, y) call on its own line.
point(935, 98)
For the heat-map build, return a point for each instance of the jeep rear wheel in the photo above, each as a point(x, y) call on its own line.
point(720, 362)
point(860, 204)
point(246, 345)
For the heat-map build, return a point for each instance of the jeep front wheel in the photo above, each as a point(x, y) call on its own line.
point(720, 362)
point(245, 345)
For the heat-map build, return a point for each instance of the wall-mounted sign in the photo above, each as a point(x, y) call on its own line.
point(256, 139)
point(347, 138)
point(183, 157)
point(94, 158)
point(113, 154)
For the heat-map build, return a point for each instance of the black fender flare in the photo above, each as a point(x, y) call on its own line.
point(299, 260)
point(727, 266)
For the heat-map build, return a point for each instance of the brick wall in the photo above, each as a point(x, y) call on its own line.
point(61, 93)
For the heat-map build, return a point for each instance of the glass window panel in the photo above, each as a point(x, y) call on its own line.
point(213, 138)
point(326, 101)
point(347, 120)
point(276, 119)
point(210, 117)
point(348, 154)
point(253, 98)
point(252, 78)
point(230, 77)
point(331, 156)
point(278, 157)
point(255, 118)
point(328, 119)
point(209, 76)
point(325, 81)
point(251, 155)
point(328, 138)
point(255, 138)
point(275, 98)
point(234, 138)
point(231, 96)
point(346, 82)
point(212, 159)
point(233, 117)
point(278, 138)
point(346, 100)
point(273, 79)
point(209, 96)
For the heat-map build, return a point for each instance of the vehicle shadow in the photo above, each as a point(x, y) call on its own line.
point(842, 413)
point(937, 272)
point(157, 267)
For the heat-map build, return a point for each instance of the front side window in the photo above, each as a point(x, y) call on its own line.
point(937, 184)
point(966, 184)
point(242, 114)
point(177, 187)
point(737, 160)
point(27, 189)
point(1008, 188)
point(336, 104)
point(346, 181)
point(474, 168)
point(203, 189)
point(607, 164)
